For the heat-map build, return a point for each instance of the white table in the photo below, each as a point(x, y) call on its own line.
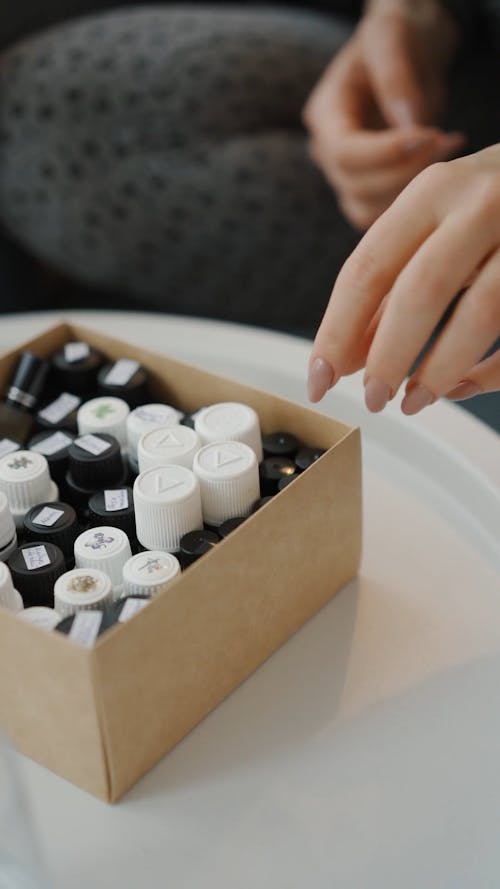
point(364, 753)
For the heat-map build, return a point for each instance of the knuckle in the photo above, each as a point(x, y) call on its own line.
point(432, 177)
point(487, 195)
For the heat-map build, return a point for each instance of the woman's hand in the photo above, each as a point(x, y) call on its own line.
point(442, 234)
point(371, 116)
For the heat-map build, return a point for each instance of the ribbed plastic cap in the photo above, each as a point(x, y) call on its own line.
point(172, 444)
point(126, 379)
point(35, 568)
point(106, 549)
point(196, 543)
point(167, 505)
point(307, 456)
point(9, 597)
point(56, 522)
point(47, 618)
point(114, 507)
point(82, 589)
point(228, 474)
point(105, 415)
point(149, 573)
point(7, 524)
point(25, 479)
point(146, 417)
point(95, 461)
point(28, 381)
point(76, 367)
point(230, 421)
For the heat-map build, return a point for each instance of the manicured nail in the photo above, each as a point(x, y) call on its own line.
point(416, 398)
point(321, 377)
point(377, 394)
point(465, 389)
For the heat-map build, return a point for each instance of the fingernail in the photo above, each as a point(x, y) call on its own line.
point(465, 389)
point(416, 398)
point(321, 377)
point(377, 394)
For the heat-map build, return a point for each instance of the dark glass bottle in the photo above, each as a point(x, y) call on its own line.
point(22, 397)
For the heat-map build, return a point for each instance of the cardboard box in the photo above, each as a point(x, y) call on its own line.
point(102, 717)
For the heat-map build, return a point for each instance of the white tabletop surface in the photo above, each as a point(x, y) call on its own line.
point(364, 754)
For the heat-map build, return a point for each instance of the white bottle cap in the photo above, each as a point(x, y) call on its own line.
point(82, 589)
point(106, 549)
point(146, 417)
point(167, 505)
point(105, 414)
point(149, 573)
point(228, 474)
point(7, 528)
point(168, 444)
point(9, 597)
point(41, 616)
point(230, 421)
point(25, 480)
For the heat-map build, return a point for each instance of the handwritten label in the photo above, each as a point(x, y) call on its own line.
point(131, 607)
point(52, 444)
point(36, 557)
point(60, 408)
point(7, 446)
point(74, 352)
point(48, 516)
point(115, 500)
point(122, 372)
point(92, 444)
point(85, 627)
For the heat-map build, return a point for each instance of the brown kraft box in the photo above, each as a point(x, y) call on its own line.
point(102, 717)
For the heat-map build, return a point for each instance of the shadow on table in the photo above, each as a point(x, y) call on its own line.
point(292, 697)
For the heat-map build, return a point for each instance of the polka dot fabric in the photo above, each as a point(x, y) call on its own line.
point(157, 153)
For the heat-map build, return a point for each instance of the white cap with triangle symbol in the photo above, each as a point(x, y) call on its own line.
point(228, 474)
point(168, 444)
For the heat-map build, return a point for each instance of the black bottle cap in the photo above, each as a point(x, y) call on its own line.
point(272, 470)
point(196, 543)
point(286, 480)
point(75, 368)
point(307, 456)
point(56, 522)
point(280, 444)
point(125, 379)
point(113, 507)
point(85, 626)
point(95, 462)
point(54, 445)
point(260, 503)
point(28, 381)
point(60, 413)
point(230, 525)
point(35, 567)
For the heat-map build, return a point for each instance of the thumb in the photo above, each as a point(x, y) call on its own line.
point(392, 73)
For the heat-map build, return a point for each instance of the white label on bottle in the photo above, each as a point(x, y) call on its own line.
point(121, 372)
point(48, 516)
point(7, 446)
point(36, 557)
point(85, 627)
point(76, 352)
point(115, 500)
point(52, 444)
point(60, 408)
point(92, 444)
point(131, 607)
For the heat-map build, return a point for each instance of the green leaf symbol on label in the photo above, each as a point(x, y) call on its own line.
point(103, 410)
